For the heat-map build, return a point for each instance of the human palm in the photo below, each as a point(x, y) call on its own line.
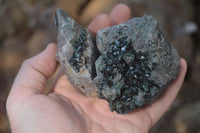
point(65, 109)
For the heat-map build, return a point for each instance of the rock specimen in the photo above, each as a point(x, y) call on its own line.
point(129, 65)
point(77, 52)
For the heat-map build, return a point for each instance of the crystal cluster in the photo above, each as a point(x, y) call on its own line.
point(129, 65)
point(79, 45)
point(125, 71)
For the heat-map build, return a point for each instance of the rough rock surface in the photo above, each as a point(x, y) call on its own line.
point(134, 66)
point(77, 52)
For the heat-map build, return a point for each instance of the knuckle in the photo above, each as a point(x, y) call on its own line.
point(102, 16)
point(26, 62)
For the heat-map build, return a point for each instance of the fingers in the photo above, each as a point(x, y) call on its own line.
point(157, 109)
point(121, 13)
point(99, 22)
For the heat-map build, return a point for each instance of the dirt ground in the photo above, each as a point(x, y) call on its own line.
point(26, 27)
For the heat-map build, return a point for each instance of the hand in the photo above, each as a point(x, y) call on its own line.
point(65, 109)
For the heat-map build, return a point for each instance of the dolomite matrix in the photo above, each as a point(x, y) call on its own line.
point(129, 65)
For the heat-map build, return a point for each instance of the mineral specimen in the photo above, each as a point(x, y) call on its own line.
point(129, 65)
point(77, 52)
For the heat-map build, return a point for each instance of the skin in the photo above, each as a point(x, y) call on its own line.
point(65, 110)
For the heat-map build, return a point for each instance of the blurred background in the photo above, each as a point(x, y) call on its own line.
point(26, 27)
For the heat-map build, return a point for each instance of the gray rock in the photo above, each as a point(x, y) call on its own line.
point(135, 64)
point(76, 52)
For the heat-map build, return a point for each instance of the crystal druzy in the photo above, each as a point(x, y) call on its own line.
point(129, 65)
point(125, 72)
point(79, 46)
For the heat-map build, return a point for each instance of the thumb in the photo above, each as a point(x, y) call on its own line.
point(32, 76)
